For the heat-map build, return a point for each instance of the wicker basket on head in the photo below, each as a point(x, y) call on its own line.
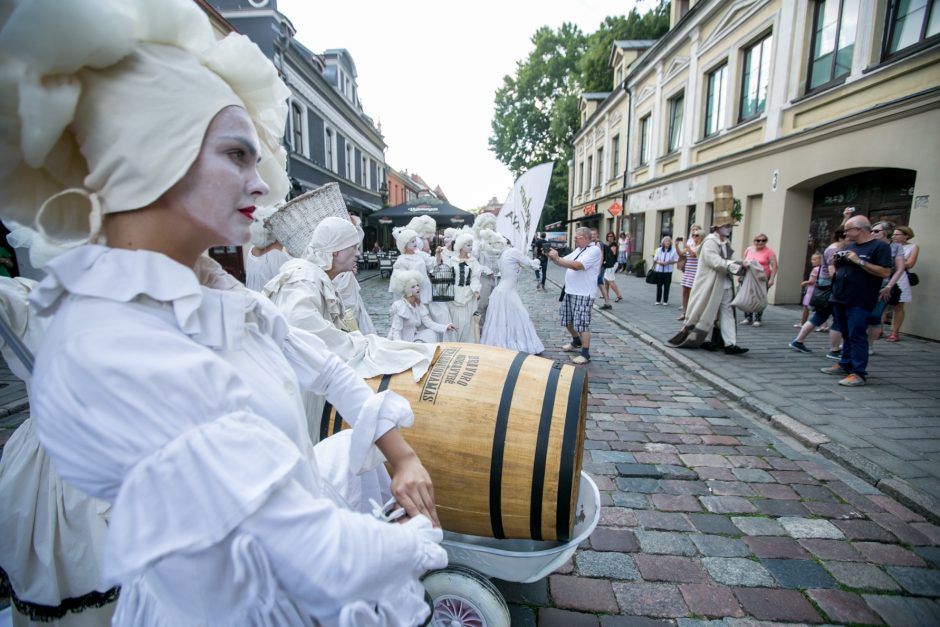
point(293, 224)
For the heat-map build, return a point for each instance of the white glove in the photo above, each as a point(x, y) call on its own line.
point(431, 556)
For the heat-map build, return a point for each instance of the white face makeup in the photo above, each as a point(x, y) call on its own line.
point(344, 260)
point(413, 289)
point(467, 248)
point(725, 231)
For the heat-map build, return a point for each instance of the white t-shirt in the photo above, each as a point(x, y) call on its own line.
point(583, 282)
point(663, 256)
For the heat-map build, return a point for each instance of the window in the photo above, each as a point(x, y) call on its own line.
point(349, 162)
point(615, 152)
point(362, 171)
point(665, 223)
point(600, 166)
point(581, 177)
point(715, 101)
point(297, 127)
point(330, 141)
point(590, 172)
point(645, 140)
point(755, 78)
point(910, 22)
point(676, 105)
point(691, 213)
point(834, 27)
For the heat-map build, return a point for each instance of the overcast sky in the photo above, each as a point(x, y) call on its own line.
point(428, 71)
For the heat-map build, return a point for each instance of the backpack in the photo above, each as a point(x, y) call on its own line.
point(610, 260)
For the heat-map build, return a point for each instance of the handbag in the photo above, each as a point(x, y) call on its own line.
point(821, 294)
point(681, 264)
point(651, 277)
point(912, 278)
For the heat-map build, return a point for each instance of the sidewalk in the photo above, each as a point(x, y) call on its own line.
point(887, 431)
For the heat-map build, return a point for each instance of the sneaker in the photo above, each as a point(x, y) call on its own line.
point(758, 323)
point(852, 381)
point(834, 354)
point(871, 349)
point(735, 350)
point(837, 369)
point(606, 306)
point(571, 347)
point(657, 303)
point(799, 346)
point(746, 321)
point(580, 359)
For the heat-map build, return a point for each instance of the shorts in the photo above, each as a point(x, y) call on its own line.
point(821, 315)
point(610, 274)
point(600, 277)
point(575, 312)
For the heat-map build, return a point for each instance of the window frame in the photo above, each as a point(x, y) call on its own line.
point(590, 171)
point(922, 42)
point(811, 60)
point(615, 151)
point(297, 127)
point(722, 99)
point(329, 149)
point(765, 43)
point(600, 166)
point(674, 135)
point(644, 139)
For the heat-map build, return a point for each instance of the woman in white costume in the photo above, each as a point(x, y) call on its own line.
point(306, 294)
point(175, 402)
point(507, 320)
point(267, 255)
point(53, 534)
point(467, 272)
point(409, 319)
point(426, 228)
point(412, 258)
point(349, 290)
point(488, 280)
point(450, 234)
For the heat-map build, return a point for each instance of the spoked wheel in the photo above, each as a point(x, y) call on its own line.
point(464, 598)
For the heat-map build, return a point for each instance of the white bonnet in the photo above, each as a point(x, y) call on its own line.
point(403, 236)
point(106, 102)
point(401, 279)
point(462, 239)
point(424, 226)
point(261, 236)
point(484, 221)
point(331, 235)
point(491, 242)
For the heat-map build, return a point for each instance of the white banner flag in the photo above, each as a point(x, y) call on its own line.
point(522, 210)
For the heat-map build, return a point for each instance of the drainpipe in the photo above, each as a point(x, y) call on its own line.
point(626, 162)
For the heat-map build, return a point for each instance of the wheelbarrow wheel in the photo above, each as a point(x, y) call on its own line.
point(464, 598)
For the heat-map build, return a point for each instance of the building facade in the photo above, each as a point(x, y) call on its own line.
point(804, 107)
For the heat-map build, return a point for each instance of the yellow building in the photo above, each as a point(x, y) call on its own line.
point(805, 107)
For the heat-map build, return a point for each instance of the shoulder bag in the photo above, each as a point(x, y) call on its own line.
point(912, 278)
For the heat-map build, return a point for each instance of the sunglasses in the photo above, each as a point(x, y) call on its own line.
point(877, 230)
point(760, 241)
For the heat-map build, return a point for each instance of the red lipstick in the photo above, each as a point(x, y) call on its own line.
point(247, 211)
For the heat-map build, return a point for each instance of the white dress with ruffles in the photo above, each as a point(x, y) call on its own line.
point(261, 269)
point(467, 286)
point(179, 404)
point(507, 320)
point(423, 263)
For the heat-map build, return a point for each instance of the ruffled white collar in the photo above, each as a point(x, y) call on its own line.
point(212, 317)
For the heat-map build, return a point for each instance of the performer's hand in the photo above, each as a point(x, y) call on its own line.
point(477, 295)
point(412, 488)
point(451, 327)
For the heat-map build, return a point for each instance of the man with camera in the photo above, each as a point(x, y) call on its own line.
point(860, 267)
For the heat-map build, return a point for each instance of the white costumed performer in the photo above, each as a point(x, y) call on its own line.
point(175, 402)
point(267, 255)
point(412, 258)
point(467, 272)
point(507, 320)
point(488, 280)
point(409, 319)
point(349, 290)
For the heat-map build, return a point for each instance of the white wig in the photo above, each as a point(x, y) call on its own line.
point(424, 226)
point(262, 237)
point(461, 241)
point(450, 233)
point(403, 236)
point(401, 279)
point(331, 235)
point(491, 242)
point(484, 221)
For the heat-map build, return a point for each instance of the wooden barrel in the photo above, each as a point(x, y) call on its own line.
point(501, 434)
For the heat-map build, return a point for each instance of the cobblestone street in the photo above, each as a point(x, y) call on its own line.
point(711, 516)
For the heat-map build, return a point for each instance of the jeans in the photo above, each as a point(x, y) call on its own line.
point(854, 324)
point(757, 316)
point(663, 281)
point(544, 268)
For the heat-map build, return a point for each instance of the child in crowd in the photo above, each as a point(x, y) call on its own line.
point(809, 286)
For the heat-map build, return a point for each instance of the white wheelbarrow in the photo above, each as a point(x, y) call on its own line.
point(463, 596)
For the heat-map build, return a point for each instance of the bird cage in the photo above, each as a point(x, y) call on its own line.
point(442, 284)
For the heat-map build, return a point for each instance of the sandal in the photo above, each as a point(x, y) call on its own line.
point(894, 337)
point(619, 298)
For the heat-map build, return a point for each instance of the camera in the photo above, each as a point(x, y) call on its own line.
point(840, 255)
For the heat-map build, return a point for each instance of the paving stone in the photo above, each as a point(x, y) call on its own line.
point(631, 500)
point(752, 475)
point(839, 550)
point(748, 462)
point(777, 605)
point(581, 593)
point(930, 554)
point(930, 530)
point(727, 505)
point(888, 554)
point(715, 601)
point(713, 523)
point(632, 621)
point(657, 458)
point(638, 470)
point(905, 532)
point(816, 471)
point(771, 507)
point(665, 543)
point(864, 530)
point(904, 611)
point(776, 491)
point(522, 616)
point(554, 617)
point(801, 574)
point(617, 517)
point(535, 593)
point(715, 461)
point(676, 503)
point(810, 528)
point(641, 486)
point(892, 506)
point(672, 486)
point(779, 463)
point(834, 510)
point(607, 539)
point(758, 526)
point(861, 576)
point(776, 547)
point(730, 488)
point(650, 599)
point(845, 607)
point(670, 568)
point(719, 474)
point(606, 564)
point(668, 471)
point(815, 493)
point(719, 546)
point(923, 582)
point(664, 521)
point(736, 571)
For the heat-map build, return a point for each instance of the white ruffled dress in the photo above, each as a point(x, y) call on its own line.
point(507, 320)
point(180, 405)
point(423, 264)
point(467, 285)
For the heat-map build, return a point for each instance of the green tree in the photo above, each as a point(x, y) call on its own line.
point(536, 111)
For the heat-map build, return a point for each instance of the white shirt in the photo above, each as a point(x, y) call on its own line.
point(662, 256)
point(179, 404)
point(260, 270)
point(583, 282)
